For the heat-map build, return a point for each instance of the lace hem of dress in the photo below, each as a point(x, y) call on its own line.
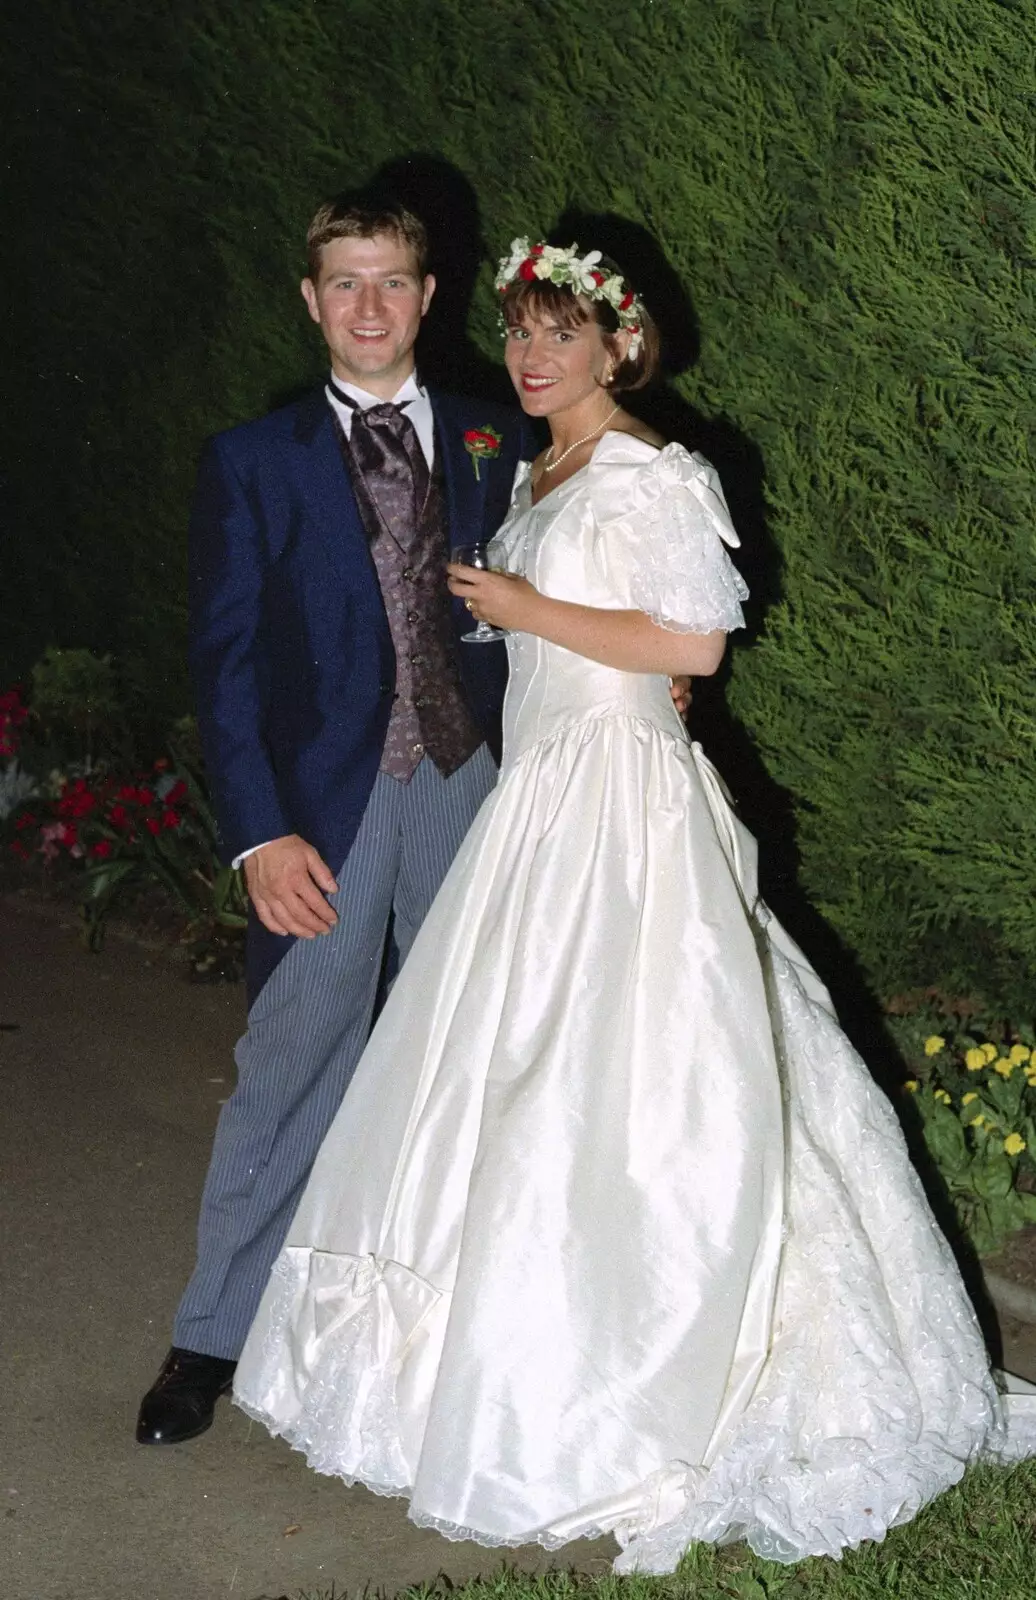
point(787, 1494)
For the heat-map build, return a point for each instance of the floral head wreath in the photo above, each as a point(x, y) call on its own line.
point(582, 274)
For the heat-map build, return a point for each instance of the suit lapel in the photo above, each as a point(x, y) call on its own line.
point(328, 487)
point(465, 494)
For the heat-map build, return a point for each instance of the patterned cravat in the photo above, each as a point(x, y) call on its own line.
point(388, 454)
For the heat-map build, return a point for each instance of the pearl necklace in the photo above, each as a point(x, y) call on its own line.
point(549, 465)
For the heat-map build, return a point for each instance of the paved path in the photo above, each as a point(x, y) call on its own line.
point(112, 1072)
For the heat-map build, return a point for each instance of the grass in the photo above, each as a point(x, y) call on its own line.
point(976, 1542)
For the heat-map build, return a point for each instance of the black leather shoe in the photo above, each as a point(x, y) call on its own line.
point(180, 1403)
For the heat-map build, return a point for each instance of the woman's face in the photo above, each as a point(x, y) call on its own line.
point(555, 368)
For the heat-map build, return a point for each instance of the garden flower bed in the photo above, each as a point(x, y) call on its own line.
point(96, 827)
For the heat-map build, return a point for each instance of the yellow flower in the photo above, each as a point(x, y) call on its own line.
point(990, 1051)
point(1004, 1065)
point(940, 1094)
point(1014, 1144)
point(911, 1086)
point(978, 1122)
point(933, 1044)
point(971, 1095)
point(975, 1059)
point(1020, 1053)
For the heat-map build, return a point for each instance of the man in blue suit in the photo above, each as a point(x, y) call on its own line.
point(346, 730)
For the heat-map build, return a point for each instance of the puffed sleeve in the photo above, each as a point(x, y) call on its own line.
point(669, 505)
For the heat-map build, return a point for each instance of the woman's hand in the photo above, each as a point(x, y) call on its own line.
point(501, 598)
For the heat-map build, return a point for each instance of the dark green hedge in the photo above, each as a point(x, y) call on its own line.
point(845, 192)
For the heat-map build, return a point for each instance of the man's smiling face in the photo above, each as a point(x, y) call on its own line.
point(369, 300)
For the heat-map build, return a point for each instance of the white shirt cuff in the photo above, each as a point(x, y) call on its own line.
point(246, 853)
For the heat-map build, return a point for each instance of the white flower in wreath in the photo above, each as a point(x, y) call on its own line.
point(509, 264)
point(583, 280)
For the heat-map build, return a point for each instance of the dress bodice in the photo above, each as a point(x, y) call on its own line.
point(636, 529)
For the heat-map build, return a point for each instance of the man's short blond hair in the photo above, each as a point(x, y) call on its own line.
point(351, 216)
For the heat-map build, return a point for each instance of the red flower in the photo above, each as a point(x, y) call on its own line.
point(7, 744)
point(527, 270)
point(145, 797)
point(482, 444)
point(161, 763)
point(537, 250)
point(128, 793)
point(598, 277)
point(26, 820)
point(77, 801)
point(627, 300)
point(102, 849)
point(177, 793)
point(11, 708)
point(67, 834)
point(118, 816)
point(152, 824)
point(19, 849)
point(171, 818)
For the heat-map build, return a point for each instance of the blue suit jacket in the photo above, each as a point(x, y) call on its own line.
point(291, 655)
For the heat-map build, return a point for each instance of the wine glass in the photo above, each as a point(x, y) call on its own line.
point(476, 555)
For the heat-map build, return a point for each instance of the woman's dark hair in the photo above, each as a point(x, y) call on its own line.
point(538, 298)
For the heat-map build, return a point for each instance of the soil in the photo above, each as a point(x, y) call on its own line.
point(146, 917)
point(1017, 1260)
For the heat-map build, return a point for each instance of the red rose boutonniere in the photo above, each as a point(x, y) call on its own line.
point(482, 444)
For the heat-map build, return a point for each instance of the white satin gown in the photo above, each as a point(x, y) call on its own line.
point(613, 1230)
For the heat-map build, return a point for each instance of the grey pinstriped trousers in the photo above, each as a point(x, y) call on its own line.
point(306, 1032)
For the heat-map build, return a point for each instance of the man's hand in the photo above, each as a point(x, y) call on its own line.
point(284, 880)
point(680, 689)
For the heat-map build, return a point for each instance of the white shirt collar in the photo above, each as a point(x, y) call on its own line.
point(409, 395)
point(409, 391)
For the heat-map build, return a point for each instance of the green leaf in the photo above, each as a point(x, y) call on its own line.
point(231, 919)
point(944, 1137)
point(102, 882)
point(992, 1176)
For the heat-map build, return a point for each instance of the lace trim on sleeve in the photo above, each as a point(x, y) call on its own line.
point(673, 509)
point(683, 579)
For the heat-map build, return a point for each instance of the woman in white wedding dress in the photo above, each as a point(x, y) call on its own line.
point(614, 1231)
